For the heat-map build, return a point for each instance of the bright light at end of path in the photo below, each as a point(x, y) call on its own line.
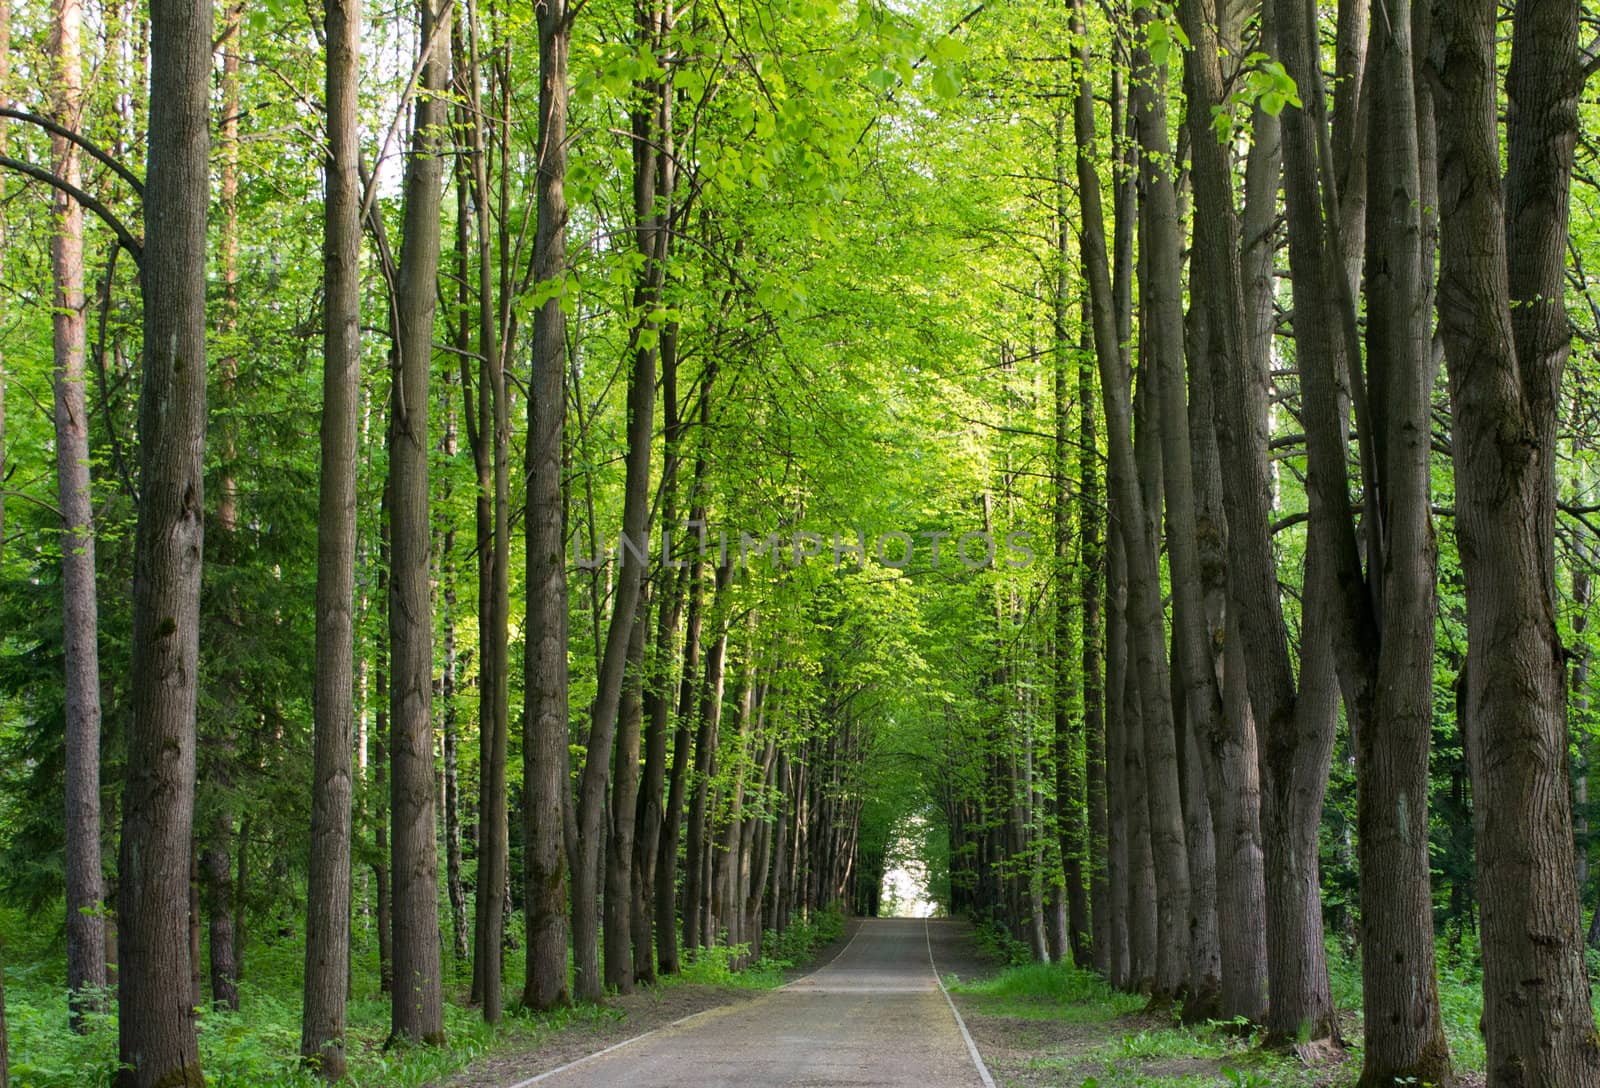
point(905, 875)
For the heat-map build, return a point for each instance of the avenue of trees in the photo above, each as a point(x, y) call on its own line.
point(501, 503)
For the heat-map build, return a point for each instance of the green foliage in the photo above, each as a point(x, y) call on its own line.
point(1048, 991)
point(1000, 945)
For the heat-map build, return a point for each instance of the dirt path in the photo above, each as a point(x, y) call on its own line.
point(874, 1016)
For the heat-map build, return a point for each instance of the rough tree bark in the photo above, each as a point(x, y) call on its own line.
point(623, 814)
point(1296, 722)
point(1147, 645)
point(491, 450)
point(1070, 733)
point(218, 757)
point(1400, 998)
point(658, 689)
point(545, 667)
point(707, 722)
point(328, 878)
point(417, 1012)
point(86, 965)
point(382, 892)
point(1503, 320)
point(1225, 731)
point(156, 1030)
point(1202, 694)
point(1091, 592)
point(665, 891)
point(650, 202)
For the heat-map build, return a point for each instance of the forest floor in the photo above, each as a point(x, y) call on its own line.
point(629, 1016)
point(1049, 1025)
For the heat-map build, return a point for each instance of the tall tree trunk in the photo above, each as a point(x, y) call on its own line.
point(382, 889)
point(651, 196)
point(1400, 999)
point(86, 969)
point(707, 720)
point(1296, 722)
point(450, 732)
point(1069, 732)
point(1142, 886)
point(1202, 695)
point(1119, 948)
point(545, 771)
point(623, 813)
point(1092, 577)
point(156, 1030)
point(666, 920)
point(1147, 643)
point(1225, 732)
point(216, 867)
point(656, 709)
point(1157, 818)
point(417, 1012)
point(218, 756)
point(1503, 320)
point(328, 880)
point(491, 453)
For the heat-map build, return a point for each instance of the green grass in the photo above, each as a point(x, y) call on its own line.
point(1107, 1045)
point(1133, 1054)
point(258, 1046)
point(1047, 991)
point(802, 939)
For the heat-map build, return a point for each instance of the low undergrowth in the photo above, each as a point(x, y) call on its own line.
point(1054, 1024)
point(720, 964)
point(257, 1046)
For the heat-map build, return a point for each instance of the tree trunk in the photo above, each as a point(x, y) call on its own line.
point(1091, 591)
point(218, 765)
point(450, 733)
point(380, 768)
point(156, 1030)
point(1404, 1026)
point(1157, 811)
point(328, 879)
point(1224, 730)
point(417, 1012)
point(1143, 924)
point(656, 710)
point(1069, 732)
point(1502, 317)
point(1296, 724)
point(652, 194)
point(545, 771)
point(1118, 856)
point(705, 750)
point(666, 919)
point(494, 670)
point(86, 970)
point(216, 864)
point(618, 929)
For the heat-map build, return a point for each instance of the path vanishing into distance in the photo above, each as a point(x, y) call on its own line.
point(875, 1015)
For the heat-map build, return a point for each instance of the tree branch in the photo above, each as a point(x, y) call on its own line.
point(99, 154)
point(124, 236)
